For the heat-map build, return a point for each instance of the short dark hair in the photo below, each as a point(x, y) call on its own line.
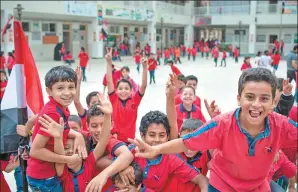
point(280, 83)
point(189, 87)
point(60, 74)
point(157, 117)
point(191, 125)
point(90, 95)
point(295, 47)
point(124, 81)
point(257, 75)
point(93, 111)
point(126, 68)
point(76, 119)
point(138, 172)
point(191, 78)
point(171, 62)
point(181, 78)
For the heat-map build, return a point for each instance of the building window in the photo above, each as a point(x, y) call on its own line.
point(114, 29)
point(136, 29)
point(25, 26)
point(288, 38)
point(48, 27)
point(125, 29)
point(158, 31)
point(82, 27)
point(261, 39)
point(272, 38)
point(66, 27)
point(145, 30)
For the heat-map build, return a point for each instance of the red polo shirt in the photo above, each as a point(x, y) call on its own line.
point(197, 102)
point(3, 186)
point(175, 70)
point(39, 169)
point(194, 51)
point(152, 64)
point(242, 163)
point(2, 85)
point(276, 59)
point(2, 62)
point(245, 66)
point(198, 162)
point(84, 121)
point(84, 58)
point(183, 114)
point(138, 58)
point(116, 75)
point(157, 171)
point(224, 55)
point(125, 115)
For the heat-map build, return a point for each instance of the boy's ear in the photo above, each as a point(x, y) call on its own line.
point(142, 136)
point(238, 99)
point(49, 91)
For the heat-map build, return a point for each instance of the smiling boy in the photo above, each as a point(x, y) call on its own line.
point(246, 139)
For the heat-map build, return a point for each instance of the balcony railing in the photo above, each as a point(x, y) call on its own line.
point(222, 10)
point(171, 8)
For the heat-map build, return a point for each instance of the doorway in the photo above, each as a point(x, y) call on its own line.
point(83, 36)
point(67, 37)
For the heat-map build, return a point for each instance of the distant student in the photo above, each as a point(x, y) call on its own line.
point(158, 55)
point(125, 75)
point(252, 121)
point(183, 49)
point(189, 53)
point(116, 55)
point(68, 58)
point(116, 74)
point(152, 64)
point(181, 81)
point(236, 54)
point(257, 58)
point(167, 55)
point(207, 50)
point(174, 69)
point(2, 61)
point(215, 54)
point(230, 47)
point(246, 64)
point(224, 56)
point(84, 58)
point(275, 61)
point(137, 59)
point(177, 54)
point(3, 83)
point(194, 53)
point(10, 62)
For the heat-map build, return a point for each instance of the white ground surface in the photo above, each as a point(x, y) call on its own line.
point(218, 84)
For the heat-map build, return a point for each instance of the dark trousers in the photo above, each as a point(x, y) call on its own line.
point(202, 53)
point(84, 73)
point(236, 59)
point(9, 71)
point(291, 76)
point(188, 57)
point(194, 58)
point(223, 60)
point(158, 60)
point(152, 76)
point(177, 59)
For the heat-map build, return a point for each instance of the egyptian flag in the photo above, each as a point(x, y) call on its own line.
point(23, 94)
point(6, 26)
point(104, 30)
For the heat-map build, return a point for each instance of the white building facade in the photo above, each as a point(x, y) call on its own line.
point(158, 23)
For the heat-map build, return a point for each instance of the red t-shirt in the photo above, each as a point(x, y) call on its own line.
point(125, 115)
point(2, 62)
point(152, 64)
point(207, 50)
point(197, 102)
point(10, 62)
point(158, 53)
point(62, 50)
point(115, 53)
point(189, 51)
point(194, 52)
point(84, 58)
point(275, 59)
point(39, 169)
point(3, 186)
point(167, 54)
point(183, 48)
point(2, 85)
point(236, 53)
point(215, 53)
point(158, 171)
point(183, 114)
point(137, 59)
point(224, 55)
point(116, 75)
point(175, 70)
point(251, 162)
point(245, 66)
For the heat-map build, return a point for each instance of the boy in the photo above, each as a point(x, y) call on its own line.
point(152, 64)
point(215, 53)
point(136, 186)
point(125, 75)
point(166, 53)
point(158, 55)
point(224, 56)
point(155, 130)
point(174, 69)
point(191, 81)
point(116, 77)
point(125, 105)
point(189, 51)
point(246, 139)
point(75, 123)
point(137, 58)
point(60, 84)
point(181, 81)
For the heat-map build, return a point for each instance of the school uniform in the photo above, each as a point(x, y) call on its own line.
point(245, 66)
point(236, 55)
point(224, 56)
point(137, 58)
point(84, 58)
point(183, 114)
point(151, 68)
point(2, 62)
point(167, 56)
point(275, 61)
point(116, 75)
point(38, 170)
point(242, 163)
point(125, 115)
point(215, 55)
point(158, 55)
point(207, 50)
point(197, 101)
point(156, 172)
point(194, 53)
point(175, 70)
point(189, 51)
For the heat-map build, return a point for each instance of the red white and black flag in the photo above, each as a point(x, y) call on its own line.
point(23, 94)
point(104, 29)
point(7, 26)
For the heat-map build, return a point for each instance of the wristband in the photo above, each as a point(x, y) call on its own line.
point(30, 133)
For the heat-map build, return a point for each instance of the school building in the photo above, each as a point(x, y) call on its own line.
point(252, 25)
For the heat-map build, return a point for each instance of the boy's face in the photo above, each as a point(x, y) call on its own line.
point(74, 125)
point(256, 102)
point(123, 91)
point(188, 96)
point(156, 135)
point(120, 187)
point(68, 148)
point(247, 60)
point(62, 92)
point(188, 153)
point(192, 83)
point(2, 77)
point(180, 84)
point(93, 101)
point(95, 127)
point(125, 74)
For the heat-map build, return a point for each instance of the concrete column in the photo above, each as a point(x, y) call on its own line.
point(152, 30)
point(97, 43)
point(7, 45)
point(188, 33)
point(252, 28)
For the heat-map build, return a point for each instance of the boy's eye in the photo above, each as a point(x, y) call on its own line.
point(249, 97)
point(265, 99)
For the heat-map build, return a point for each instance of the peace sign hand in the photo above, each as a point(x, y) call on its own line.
point(108, 56)
point(287, 87)
point(212, 109)
point(171, 86)
point(105, 105)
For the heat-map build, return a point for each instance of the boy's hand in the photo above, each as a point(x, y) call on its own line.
point(74, 160)
point(212, 109)
point(144, 150)
point(105, 105)
point(171, 86)
point(51, 127)
point(128, 175)
point(97, 183)
point(80, 146)
point(109, 55)
point(79, 74)
point(144, 62)
point(22, 130)
point(287, 87)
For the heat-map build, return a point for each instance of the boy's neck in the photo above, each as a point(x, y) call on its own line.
point(188, 107)
point(253, 130)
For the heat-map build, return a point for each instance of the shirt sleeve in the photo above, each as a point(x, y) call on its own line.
point(113, 145)
point(137, 98)
point(181, 169)
point(289, 133)
point(4, 164)
point(55, 117)
point(209, 136)
point(113, 97)
point(84, 120)
point(287, 168)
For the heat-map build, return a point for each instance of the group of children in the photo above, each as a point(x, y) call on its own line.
point(96, 150)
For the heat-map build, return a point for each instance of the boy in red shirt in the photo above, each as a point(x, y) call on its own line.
point(189, 51)
point(246, 64)
point(2, 61)
point(3, 83)
point(152, 64)
point(125, 105)
point(224, 56)
point(116, 55)
point(75, 123)
point(84, 58)
point(236, 54)
point(60, 84)
point(166, 53)
point(194, 53)
point(207, 50)
point(191, 81)
point(275, 61)
point(183, 49)
point(137, 58)
point(215, 55)
point(181, 81)
point(246, 139)
point(158, 55)
point(68, 58)
point(174, 69)
point(116, 75)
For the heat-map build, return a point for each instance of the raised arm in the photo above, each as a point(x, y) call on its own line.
point(77, 103)
point(109, 75)
point(144, 76)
